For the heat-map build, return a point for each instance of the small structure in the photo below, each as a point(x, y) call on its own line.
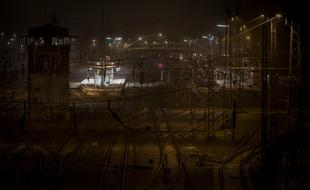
point(48, 71)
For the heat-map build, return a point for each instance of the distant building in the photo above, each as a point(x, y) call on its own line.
point(48, 67)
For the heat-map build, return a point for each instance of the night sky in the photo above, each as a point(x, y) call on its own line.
point(134, 17)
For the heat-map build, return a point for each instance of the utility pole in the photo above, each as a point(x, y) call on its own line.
point(103, 46)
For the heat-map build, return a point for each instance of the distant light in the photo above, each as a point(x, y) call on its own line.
point(108, 38)
point(222, 26)
point(232, 18)
point(248, 37)
point(140, 38)
point(160, 34)
point(98, 63)
point(205, 37)
point(145, 42)
point(185, 40)
point(2, 33)
point(262, 15)
point(161, 66)
point(94, 44)
point(166, 42)
point(9, 43)
point(12, 39)
point(112, 63)
point(94, 41)
point(118, 38)
point(278, 15)
point(154, 42)
point(14, 35)
point(21, 46)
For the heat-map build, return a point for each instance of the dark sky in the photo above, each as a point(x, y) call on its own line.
point(182, 17)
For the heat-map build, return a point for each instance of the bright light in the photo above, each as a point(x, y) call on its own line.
point(278, 15)
point(98, 63)
point(9, 43)
point(108, 38)
point(248, 37)
point(205, 37)
point(154, 42)
point(140, 38)
point(118, 38)
point(184, 40)
point(166, 42)
point(94, 41)
point(160, 34)
point(222, 26)
point(262, 15)
point(145, 42)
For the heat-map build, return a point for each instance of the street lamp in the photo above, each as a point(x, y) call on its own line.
point(278, 15)
point(222, 26)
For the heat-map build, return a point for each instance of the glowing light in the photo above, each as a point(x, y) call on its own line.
point(93, 41)
point(160, 34)
point(222, 26)
point(161, 66)
point(248, 37)
point(205, 37)
point(166, 42)
point(278, 15)
point(140, 38)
